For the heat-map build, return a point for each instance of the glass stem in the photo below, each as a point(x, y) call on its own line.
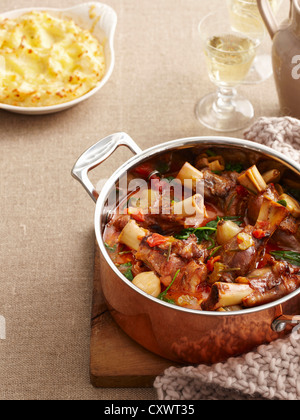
point(224, 104)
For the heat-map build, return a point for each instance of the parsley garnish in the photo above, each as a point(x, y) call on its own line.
point(110, 248)
point(128, 273)
point(215, 251)
point(169, 179)
point(282, 202)
point(163, 167)
point(163, 295)
point(235, 167)
point(211, 153)
point(206, 232)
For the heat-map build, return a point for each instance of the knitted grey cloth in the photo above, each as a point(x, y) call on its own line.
point(272, 371)
point(282, 134)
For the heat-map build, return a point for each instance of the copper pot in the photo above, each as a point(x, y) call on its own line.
point(179, 334)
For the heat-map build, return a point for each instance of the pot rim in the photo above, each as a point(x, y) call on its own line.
point(164, 147)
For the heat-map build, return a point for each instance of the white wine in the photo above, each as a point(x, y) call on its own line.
point(229, 58)
point(245, 16)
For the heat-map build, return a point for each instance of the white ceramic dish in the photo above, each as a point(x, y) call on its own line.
point(86, 16)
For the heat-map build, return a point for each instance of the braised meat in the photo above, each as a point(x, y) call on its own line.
point(158, 260)
point(216, 185)
point(233, 246)
point(244, 260)
point(189, 249)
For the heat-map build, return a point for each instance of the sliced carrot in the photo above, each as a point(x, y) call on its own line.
point(156, 240)
point(211, 263)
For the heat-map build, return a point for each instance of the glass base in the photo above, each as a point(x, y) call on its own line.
point(261, 70)
point(232, 116)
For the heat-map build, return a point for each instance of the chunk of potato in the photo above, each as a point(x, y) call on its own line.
point(149, 283)
point(227, 230)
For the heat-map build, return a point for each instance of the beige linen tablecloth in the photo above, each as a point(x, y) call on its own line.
point(47, 239)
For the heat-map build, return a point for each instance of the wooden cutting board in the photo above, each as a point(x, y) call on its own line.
point(116, 361)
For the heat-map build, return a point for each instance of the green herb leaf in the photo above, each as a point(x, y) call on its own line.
point(211, 153)
point(213, 244)
point(282, 202)
point(206, 232)
point(169, 178)
point(128, 270)
point(289, 256)
point(125, 252)
point(126, 265)
point(171, 301)
point(234, 167)
point(231, 202)
point(162, 296)
point(128, 274)
point(110, 248)
point(236, 219)
point(217, 249)
point(163, 167)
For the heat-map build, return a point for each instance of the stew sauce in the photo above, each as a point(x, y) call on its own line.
point(207, 232)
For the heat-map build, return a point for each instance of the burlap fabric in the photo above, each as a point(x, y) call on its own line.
point(47, 231)
point(272, 371)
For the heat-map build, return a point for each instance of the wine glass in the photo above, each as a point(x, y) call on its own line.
point(229, 56)
point(245, 13)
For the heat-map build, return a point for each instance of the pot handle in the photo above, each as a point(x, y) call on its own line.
point(96, 155)
point(281, 323)
point(268, 16)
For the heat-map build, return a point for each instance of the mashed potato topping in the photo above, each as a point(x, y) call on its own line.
point(47, 61)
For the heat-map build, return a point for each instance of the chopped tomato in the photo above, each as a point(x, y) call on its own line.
point(211, 263)
point(242, 191)
point(263, 225)
point(145, 170)
point(259, 234)
point(137, 214)
point(156, 240)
